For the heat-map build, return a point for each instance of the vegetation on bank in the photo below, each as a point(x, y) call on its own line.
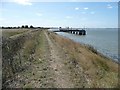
point(100, 70)
point(26, 55)
point(24, 60)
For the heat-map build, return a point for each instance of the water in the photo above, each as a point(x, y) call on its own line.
point(104, 40)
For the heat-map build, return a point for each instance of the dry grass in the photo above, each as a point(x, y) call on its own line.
point(26, 56)
point(31, 52)
point(11, 32)
point(102, 71)
point(17, 53)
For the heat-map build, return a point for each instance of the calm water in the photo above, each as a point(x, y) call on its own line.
point(104, 40)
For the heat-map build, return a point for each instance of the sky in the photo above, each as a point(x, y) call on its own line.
point(59, 14)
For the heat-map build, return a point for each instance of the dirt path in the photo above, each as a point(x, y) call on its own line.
point(62, 80)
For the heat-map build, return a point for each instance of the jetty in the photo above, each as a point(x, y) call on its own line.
point(76, 31)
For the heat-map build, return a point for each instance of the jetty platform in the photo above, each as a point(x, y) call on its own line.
point(77, 31)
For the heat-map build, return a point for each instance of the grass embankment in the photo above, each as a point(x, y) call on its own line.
point(27, 62)
point(22, 51)
point(99, 70)
point(11, 32)
point(12, 49)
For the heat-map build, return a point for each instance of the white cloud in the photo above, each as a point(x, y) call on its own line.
point(77, 8)
point(92, 12)
point(23, 2)
point(68, 17)
point(109, 6)
point(39, 14)
point(86, 8)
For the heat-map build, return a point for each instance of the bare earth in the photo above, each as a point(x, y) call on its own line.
point(56, 62)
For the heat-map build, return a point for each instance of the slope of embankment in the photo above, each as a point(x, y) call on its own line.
point(39, 58)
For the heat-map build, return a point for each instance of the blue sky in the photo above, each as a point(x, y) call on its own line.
point(55, 14)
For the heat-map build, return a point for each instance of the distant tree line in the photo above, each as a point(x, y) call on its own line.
point(24, 26)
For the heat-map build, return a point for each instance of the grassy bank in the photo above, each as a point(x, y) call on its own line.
point(100, 70)
point(29, 55)
point(17, 52)
point(11, 32)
